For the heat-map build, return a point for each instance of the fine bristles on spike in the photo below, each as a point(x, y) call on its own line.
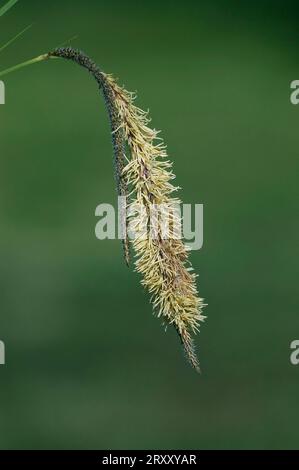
point(163, 263)
point(189, 349)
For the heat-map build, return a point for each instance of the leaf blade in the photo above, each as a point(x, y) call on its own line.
point(7, 6)
point(14, 38)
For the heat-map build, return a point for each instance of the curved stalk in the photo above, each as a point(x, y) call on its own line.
point(115, 122)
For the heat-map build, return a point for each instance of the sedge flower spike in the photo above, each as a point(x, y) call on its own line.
point(145, 179)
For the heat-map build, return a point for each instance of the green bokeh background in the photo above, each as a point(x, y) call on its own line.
point(88, 365)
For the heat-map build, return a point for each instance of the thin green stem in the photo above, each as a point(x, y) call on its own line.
point(40, 58)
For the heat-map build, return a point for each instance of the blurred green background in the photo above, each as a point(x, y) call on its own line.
point(88, 366)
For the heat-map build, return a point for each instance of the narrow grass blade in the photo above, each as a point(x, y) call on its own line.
point(7, 6)
point(15, 38)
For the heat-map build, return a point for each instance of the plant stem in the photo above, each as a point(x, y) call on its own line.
point(40, 58)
